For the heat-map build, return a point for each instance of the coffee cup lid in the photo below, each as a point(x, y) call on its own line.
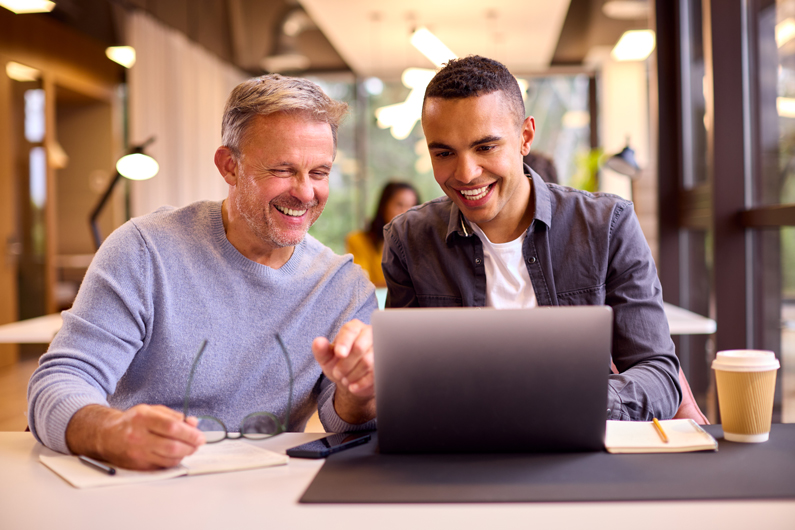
point(745, 361)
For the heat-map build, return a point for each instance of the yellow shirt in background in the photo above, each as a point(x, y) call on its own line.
point(366, 256)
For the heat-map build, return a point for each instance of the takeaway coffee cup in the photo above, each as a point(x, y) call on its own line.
point(746, 383)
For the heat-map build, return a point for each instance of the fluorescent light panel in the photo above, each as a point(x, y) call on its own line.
point(21, 7)
point(431, 47)
point(785, 31)
point(634, 45)
point(20, 72)
point(785, 107)
point(124, 55)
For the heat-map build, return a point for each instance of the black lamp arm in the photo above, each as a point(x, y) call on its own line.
point(98, 209)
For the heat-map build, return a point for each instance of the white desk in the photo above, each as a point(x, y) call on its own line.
point(38, 330)
point(684, 322)
point(41, 330)
point(33, 497)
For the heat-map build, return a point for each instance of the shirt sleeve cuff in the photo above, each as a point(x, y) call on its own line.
point(51, 430)
point(331, 420)
point(615, 410)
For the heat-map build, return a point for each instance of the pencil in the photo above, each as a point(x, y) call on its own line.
point(660, 430)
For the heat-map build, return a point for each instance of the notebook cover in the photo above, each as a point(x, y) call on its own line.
point(735, 471)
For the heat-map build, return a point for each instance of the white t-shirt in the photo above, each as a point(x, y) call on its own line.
point(508, 284)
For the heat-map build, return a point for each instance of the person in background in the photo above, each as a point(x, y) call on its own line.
point(543, 165)
point(366, 245)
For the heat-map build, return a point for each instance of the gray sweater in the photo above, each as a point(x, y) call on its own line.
point(161, 284)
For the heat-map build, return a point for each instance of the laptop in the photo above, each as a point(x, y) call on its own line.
point(479, 380)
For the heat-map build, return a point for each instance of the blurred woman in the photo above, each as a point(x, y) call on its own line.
point(367, 245)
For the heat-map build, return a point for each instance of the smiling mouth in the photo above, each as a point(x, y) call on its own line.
point(290, 212)
point(475, 194)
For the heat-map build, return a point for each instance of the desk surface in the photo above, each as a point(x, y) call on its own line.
point(31, 496)
point(41, 330)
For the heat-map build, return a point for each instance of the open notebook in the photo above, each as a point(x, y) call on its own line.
point(641, 437)
point(210, 458)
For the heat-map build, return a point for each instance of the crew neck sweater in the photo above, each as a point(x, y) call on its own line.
point(163, 283)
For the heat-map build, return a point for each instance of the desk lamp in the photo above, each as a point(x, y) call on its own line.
point(135, 165)
point(624, 162)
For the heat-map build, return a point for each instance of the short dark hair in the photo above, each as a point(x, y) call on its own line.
point(474, 76)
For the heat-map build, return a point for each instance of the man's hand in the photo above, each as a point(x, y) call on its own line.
point(348, 362)
point(144, 437)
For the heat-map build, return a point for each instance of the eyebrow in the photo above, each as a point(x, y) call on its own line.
point(484, 140)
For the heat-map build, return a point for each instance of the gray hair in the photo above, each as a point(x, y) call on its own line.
point(268, 94)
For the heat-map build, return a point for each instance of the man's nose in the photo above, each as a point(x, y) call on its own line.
point(467, 169)
point(302, 188)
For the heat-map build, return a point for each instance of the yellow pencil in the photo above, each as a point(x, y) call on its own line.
point(660, 430)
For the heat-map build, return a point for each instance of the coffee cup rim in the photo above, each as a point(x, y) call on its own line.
point(745, 361)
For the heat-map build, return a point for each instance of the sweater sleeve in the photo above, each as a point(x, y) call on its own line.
point(99, 338)
point(365, 304)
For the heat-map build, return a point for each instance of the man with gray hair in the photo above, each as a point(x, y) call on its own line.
point(243, 275)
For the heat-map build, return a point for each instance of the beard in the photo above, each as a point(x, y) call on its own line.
point(263, 220)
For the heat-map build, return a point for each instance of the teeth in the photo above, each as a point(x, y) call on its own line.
point(475, 194)
point(290, 212)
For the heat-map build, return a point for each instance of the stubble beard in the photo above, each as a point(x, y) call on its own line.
point(262, 223)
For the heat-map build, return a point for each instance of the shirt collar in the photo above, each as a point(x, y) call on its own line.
point(540, 196)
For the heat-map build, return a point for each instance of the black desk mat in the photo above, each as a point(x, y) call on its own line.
point(735, 471)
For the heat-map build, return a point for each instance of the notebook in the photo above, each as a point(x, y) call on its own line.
point(683, 436)
point(230, 455)
point(473, 380)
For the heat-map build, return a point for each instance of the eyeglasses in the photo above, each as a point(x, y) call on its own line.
point(255, 426)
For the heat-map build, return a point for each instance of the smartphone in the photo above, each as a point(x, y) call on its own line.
point(333, 443)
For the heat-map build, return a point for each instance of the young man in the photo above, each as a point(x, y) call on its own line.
point(504, 238)
point(235, 272)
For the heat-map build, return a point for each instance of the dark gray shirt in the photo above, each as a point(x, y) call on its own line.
point(581, 249)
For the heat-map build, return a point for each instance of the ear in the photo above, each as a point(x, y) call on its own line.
point(528, 133)
point(226, 164)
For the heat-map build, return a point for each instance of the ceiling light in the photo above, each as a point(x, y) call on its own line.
point(124, 55)
point(431, 47)
point(20, 72)
point(785, 31)
point(286, 62)
point(417, 78)
point(21, 7)
point(626, 9)
point(785, 107)
point(634, 45)
point(296, 22)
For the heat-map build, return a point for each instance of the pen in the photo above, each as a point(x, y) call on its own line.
point(97, 465)
point(660, 430)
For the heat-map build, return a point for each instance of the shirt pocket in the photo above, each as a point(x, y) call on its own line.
point(586, 296)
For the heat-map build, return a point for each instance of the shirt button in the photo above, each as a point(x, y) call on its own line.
point(478, 261)
point(531, 260)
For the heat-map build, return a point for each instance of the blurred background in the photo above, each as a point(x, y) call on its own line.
point(701, 92)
